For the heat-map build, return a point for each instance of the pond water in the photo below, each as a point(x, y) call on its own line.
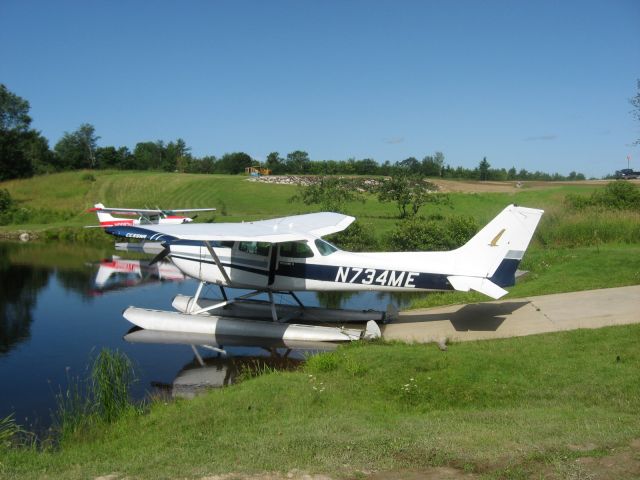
point(61, 304)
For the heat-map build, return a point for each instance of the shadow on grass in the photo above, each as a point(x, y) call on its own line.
point(473, 317)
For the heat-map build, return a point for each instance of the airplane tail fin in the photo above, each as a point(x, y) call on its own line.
point(490, 259)
point(105, 218)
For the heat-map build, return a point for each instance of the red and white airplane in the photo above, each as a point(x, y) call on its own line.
point(146, 216)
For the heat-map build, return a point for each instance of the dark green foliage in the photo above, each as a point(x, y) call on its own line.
point(483, 169)
point(22, 151)
point(409, 193)
point(330, 193)
point(5, 200)
point(358, 237)
point(233, 163)
point(432, 234)
point(619, 195)
point(77, 149)
point(23, 216)
point(298, 162)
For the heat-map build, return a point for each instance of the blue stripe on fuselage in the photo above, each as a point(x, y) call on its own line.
point(349, 275)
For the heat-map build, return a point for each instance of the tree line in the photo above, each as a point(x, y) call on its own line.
point(24, 152)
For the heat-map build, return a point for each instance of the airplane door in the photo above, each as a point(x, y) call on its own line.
point(250, 263)
point(291, 265)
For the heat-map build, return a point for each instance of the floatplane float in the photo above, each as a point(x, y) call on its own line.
point(287, 255)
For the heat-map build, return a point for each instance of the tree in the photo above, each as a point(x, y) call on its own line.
point(148, 155)
point(330, 193)
point(298, 162)
point(77, 149)
point(366, 166)
point(233, 163)
point(14, 111)
point(22, 150)
point(432, 166)
point(274, 163)
point(176, 156)
point(483, 169)
point(407, 192)
point(411, 165)
point(635, 101)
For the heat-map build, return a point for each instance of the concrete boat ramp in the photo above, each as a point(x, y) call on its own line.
point(518, 317)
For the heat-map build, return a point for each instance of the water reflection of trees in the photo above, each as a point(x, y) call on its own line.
point(18, 295)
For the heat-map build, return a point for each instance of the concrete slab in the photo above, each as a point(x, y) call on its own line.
point(518, 317)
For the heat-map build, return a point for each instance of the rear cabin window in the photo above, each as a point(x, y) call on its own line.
point(295, 250)
point(325, 248)
point(255, 248)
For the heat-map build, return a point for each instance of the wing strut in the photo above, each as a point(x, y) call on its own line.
point(217, 261)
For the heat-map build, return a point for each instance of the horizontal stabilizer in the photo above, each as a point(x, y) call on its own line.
point(479, 284)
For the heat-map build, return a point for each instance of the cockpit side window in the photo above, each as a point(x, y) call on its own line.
point(256, 248)
point(324, 247)
point(295, 250)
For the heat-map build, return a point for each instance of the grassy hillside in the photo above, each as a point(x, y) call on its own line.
point(235, 197)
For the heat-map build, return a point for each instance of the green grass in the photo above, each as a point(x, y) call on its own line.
point(508, 405)
point(236, 198)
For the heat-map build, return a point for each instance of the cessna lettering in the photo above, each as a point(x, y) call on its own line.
point(372, 276)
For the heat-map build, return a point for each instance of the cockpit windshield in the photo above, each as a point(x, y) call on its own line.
point(324, 247)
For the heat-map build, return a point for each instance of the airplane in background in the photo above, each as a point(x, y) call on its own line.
point(146, 216)
point(288, 254)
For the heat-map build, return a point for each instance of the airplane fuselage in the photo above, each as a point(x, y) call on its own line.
point(279, 267)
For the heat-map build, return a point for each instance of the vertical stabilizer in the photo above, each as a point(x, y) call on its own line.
point(490, 259)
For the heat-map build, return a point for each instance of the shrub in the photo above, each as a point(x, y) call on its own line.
point(5, 200)
point(359, 237)
point(435, 233)
point(618, 195)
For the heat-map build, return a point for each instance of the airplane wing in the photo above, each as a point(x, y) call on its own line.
point(184, 210)
point(145, 211)
point(277, 230)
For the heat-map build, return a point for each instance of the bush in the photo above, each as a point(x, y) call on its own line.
point(359, 237)
point(5, 200)
point(432, 234)
point(618, 195)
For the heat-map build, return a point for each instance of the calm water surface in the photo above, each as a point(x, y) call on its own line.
point(61, 304)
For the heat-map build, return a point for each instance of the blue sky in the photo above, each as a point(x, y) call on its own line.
point(541, 85)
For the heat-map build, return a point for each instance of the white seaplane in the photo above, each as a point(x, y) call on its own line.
point(288, 254)
point(146, 216)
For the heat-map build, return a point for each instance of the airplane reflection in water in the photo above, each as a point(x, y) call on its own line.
point(118, 273)
point(234, 356)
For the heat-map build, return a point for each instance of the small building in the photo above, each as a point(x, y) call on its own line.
point(257, 171)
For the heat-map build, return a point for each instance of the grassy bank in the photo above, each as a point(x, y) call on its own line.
point(508, 408)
